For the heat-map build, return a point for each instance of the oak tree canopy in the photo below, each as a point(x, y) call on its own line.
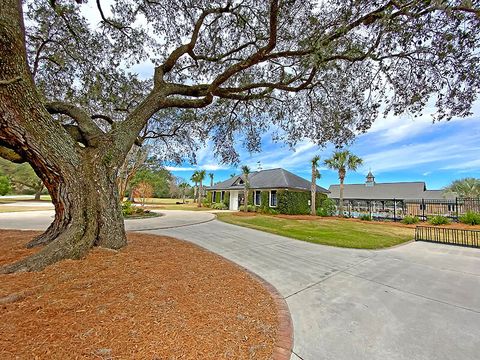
point(71, 105)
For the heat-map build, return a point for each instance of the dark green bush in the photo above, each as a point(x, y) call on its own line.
point(326, 207)
point(219, 206)
point(365, 217)
point(438, 220)
point(410, 220)
point(470, 218)
point(293, 202)
point(250, 208)
point(226, 199)
point(209, 197)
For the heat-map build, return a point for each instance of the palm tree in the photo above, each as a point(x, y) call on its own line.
point(201, 176)
point(211, 179)
point(232, 175)
point(246, 172)
point(184, 186)
point(194, 178)
point(315, 175)
point(342, 161)
point(466, 188)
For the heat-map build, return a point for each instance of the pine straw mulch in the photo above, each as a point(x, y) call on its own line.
point(158, 298)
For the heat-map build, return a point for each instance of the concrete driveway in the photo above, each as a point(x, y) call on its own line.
point(417, 301)
point(39, 220)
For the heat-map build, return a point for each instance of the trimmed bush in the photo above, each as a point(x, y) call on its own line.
point(209, 197)
point(293, 202)
point(5, 185)
point(226, 199)
point(326, 207)
point(410, 220)
point(250, 208)
point(470, 218)
point(127, 208)
point(365, 217)
point(439, 220)
point(219, 206)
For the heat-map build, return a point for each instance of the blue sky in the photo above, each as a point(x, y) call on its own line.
point(395, 149)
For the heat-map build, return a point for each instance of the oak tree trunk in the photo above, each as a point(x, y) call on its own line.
point(81, 178)
point(38, 193)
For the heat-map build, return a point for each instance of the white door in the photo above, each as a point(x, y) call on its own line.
point(234, 200)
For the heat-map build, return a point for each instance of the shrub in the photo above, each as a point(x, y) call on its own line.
point(219, 206)
point(5, 185)
point(127, 208)
point(410, 220)
point(365, 217)
point(293, 202)
point(439, 220)
point(226, 199)
point(470, 218)
point(326, 207)
point(250, 208)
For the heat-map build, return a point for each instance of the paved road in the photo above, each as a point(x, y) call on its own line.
point(417, 301)
point(39, 220)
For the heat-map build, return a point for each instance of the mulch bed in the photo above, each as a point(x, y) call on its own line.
point(158, 298)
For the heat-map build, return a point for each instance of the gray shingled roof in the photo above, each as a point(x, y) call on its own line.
point(385, 191)
point(268, 179)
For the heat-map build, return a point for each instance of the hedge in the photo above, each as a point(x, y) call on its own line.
point(288, 202)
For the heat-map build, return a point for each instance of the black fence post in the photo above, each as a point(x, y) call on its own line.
point(423, 210)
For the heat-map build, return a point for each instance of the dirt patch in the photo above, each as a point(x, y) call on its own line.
point(158, 298)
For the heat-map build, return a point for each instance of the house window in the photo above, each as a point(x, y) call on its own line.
point(423, 207)
point(273, 198)
point(222, 196)
point(257, 198)
point(214, 196)
point(451, 207)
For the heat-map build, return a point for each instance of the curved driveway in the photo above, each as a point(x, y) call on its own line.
point(417, 301)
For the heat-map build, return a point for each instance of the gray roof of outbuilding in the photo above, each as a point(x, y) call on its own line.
point(385, 191)
point(268, 179)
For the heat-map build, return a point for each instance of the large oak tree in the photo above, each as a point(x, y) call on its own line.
point(321, 70)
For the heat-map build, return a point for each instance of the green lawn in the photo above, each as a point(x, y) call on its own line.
point(327, 231)
point(171, 204)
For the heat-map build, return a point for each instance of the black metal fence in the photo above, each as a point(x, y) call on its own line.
point(396, 210)
point(450, 236)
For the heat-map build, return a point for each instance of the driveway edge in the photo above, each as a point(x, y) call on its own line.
point(284, 344)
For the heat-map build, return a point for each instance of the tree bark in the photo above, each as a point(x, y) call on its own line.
point(80, 179)
point(340, 204)
point(200, 191)
point(313, 190)
point(38, 193)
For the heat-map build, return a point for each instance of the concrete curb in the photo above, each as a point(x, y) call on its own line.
point(284, 344)
point(176, 226)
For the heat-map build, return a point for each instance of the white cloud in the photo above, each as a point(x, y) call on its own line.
point(394, 129)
